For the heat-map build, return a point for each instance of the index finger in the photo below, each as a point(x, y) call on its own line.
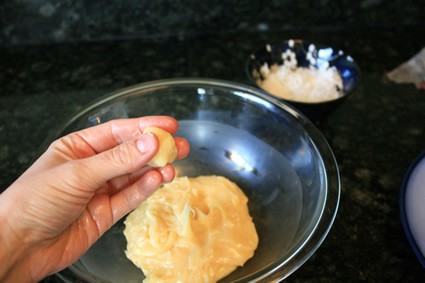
point(110, 134)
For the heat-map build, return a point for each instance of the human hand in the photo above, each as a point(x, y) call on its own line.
point(83, 184)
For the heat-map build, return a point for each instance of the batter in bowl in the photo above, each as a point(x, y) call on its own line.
point(191, 230)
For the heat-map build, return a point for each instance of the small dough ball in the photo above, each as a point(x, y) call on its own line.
point(167, 151)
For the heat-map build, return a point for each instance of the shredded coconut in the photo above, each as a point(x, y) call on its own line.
point(302, 84)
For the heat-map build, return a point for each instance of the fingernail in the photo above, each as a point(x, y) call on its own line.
point(145, 142)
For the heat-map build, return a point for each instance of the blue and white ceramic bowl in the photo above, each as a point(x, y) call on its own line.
point(412, 207)
point(307, 54)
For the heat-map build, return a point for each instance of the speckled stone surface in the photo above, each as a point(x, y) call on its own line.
point(41, 21)
point(375, 134)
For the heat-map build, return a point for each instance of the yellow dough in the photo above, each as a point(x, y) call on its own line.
point(167, 151)
point(191, 230)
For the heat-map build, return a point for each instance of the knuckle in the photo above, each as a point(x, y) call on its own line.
point(74, 143)
point(123, 155)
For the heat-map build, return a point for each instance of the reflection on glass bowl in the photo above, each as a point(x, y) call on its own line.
point(279, 158)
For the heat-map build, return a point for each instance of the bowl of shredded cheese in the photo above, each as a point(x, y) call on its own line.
point(254, 199)
point(312, 77)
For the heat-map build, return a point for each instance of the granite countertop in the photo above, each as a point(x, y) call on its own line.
point(375, 134)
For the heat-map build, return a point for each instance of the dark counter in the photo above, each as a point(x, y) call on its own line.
point(375, 134)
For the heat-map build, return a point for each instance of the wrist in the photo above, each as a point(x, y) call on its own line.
point(12, 250)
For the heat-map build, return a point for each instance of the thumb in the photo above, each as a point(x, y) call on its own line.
point(122, 159)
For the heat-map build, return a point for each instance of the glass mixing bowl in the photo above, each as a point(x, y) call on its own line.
point(276, 155)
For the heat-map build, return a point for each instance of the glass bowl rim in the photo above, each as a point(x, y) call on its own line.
point(331, 201)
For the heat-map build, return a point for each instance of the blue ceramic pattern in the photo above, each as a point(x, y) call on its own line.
point(403, 212)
